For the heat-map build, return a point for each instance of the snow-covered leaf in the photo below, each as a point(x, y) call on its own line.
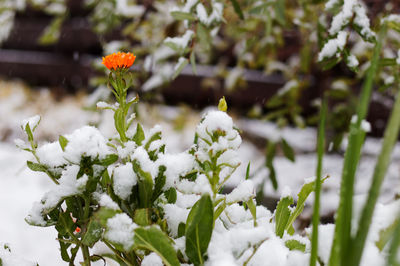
point(153, 239)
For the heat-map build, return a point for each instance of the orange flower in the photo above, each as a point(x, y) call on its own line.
point(119, 60)
point(77, 229)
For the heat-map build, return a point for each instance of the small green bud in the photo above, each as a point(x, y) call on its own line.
point(222, 105)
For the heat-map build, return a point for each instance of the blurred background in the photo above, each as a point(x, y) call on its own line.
point(261, 55)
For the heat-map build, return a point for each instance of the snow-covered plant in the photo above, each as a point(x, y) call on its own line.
point(151, 207)
point(350, 13)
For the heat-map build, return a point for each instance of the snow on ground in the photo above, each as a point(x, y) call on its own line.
point(20, 187)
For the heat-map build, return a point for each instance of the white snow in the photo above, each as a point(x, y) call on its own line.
point(32, 121)
point(215, 16)
point(120, 230)
point(181, 42)
point(352, 61)
point(106, 201)
point(286, 192)
point(331, 3)
point(333, 46)
point(174, 216)
point(177, 165)
point(243, 192)
point(69, 185)
point(362, 21)
point(124, 178)
point(152, 260)
point(86, 141)
point(9, 258)
point(129, 10)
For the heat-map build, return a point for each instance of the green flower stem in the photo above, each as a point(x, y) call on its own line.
point(120, 93)
point(84, 248)
point(389, 141)
point(320, 151)
point(342, 236)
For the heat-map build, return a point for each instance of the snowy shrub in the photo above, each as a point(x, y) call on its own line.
point(150, 206)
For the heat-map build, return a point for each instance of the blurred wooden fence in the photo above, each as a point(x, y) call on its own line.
point(67, 63)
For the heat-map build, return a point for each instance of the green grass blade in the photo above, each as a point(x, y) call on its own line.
point(318, 181)
point(394, 247)
point(389, 141)
point(342, 236)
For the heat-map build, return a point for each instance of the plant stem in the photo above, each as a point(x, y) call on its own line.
point(116, 252)
point(389, 141)
point(84, 248)
point(342, 236)
point(320, 151)
point(86, 255)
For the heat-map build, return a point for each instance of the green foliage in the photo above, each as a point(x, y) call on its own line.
point(301, 200)
point(270, 154)
point(293, 244)
point(153, 239)
point(178, 15)
point(179, 67)
point(282, 214)
point(199, 226)
point(287, 150)
point(63, 142)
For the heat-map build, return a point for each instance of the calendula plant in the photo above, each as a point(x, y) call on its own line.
point(151, 207)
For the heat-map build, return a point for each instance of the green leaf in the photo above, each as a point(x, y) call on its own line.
point(253, 210)
point(248, 171)
point(181, 229)
point(36, 167)
point(199, 227)
point(237, 8)
point(219, 210)
point(179, 15)
point(193, 62)
point(287, 150)
point(63, 142)
point(171, 195)
point(142, 217)
point(119, 122)
point(293, 244)
point(93, 233)
point(280, 12)
point(203, 34)
point(64, 249)
point(270, 155)
point(29, 132)
point(328, 63)
point(179, 67)
point(159, 182)
point(386, 234)
point(139, 135)
point(52, 32)
point(282, 214)
point(103, 214)
point(156, 136)
point(109, 159)
point(302, 197)
point(153, 239)
point(145, 183)
point(173, 46)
